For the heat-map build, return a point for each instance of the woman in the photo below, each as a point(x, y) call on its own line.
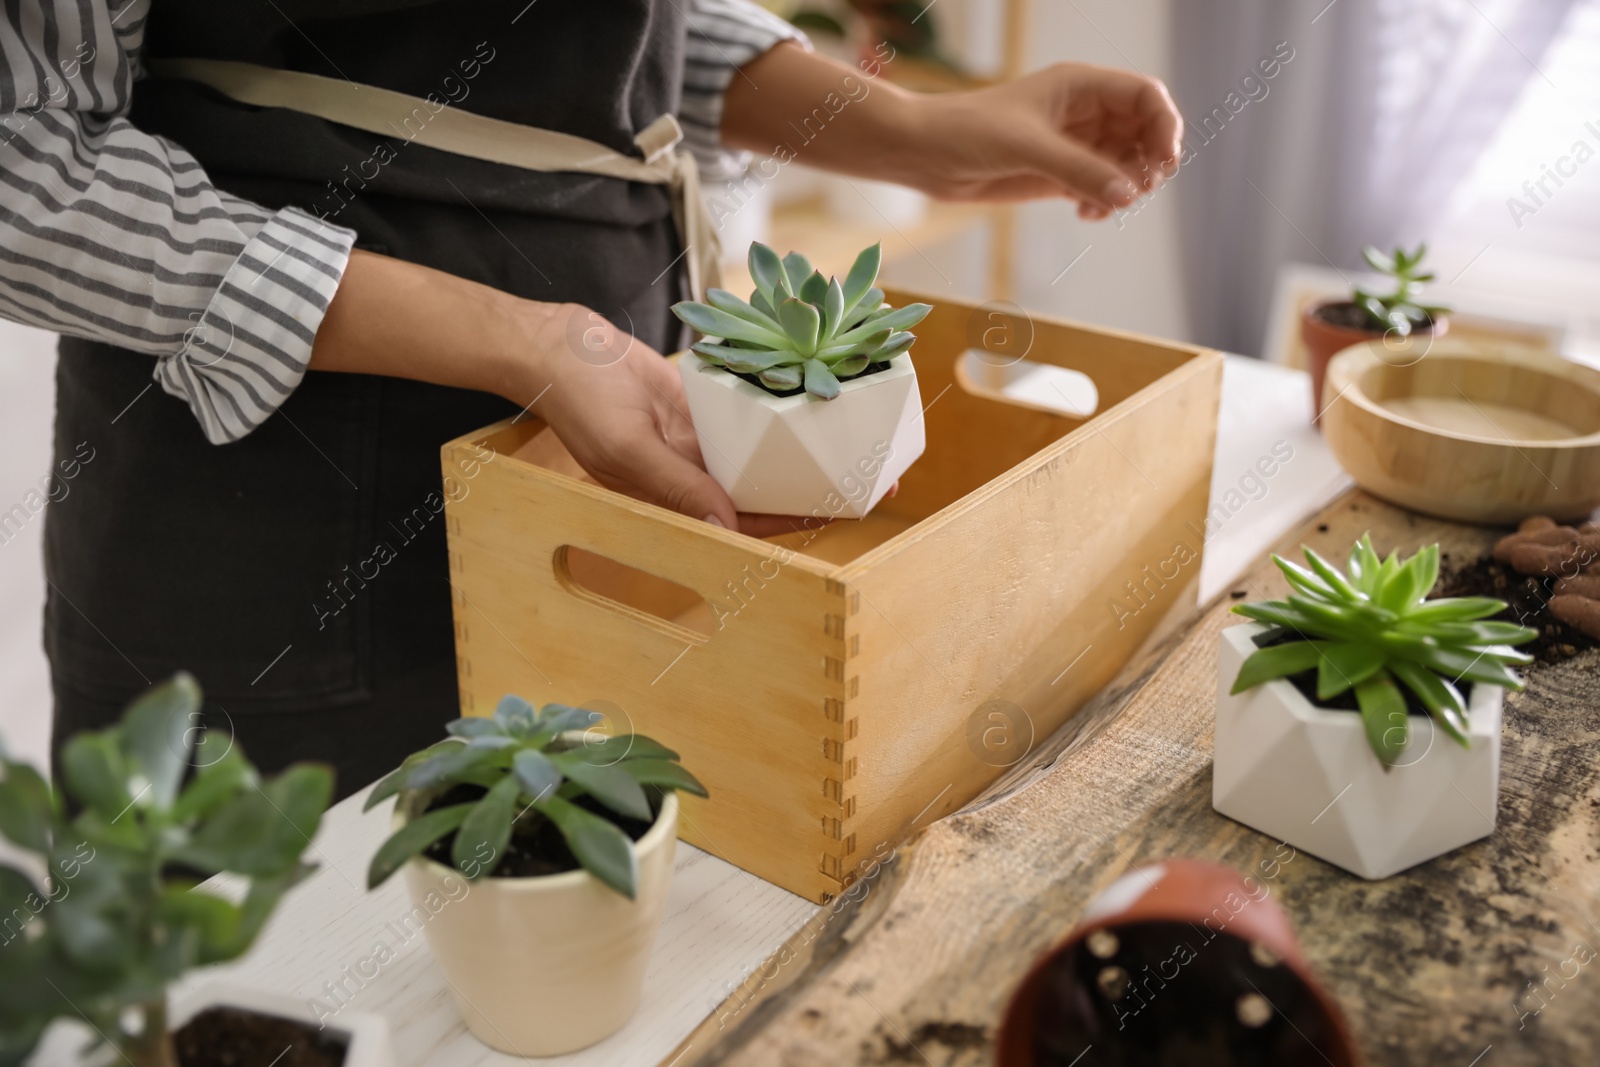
point(279, 532)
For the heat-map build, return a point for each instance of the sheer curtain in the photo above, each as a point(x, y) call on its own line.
point(1374, 112)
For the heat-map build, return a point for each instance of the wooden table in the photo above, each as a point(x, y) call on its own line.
point(1433, 966)
point(726, 934)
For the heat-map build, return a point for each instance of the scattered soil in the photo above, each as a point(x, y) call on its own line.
point(537, 847)
point(1346, 315)
point(231, 1037)
point(1527, 600)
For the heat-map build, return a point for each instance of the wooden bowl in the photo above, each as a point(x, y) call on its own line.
point(1467, 431)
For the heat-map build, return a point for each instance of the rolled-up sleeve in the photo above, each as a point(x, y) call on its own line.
point(111, 234)
point(724, 35)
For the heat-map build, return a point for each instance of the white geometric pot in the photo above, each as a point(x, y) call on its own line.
point(1306, 775)
point(366, 1036)
point(549, 965)
point(798, 455)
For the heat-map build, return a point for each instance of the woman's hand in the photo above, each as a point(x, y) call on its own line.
point(1099, 136)
point(616, 405)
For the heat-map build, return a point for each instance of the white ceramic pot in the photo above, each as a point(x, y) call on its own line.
point(798, 455)
point(544, 966)
point(1306, 775)
point(366, 1036)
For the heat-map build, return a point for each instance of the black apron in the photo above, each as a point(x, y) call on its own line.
point(300, 573)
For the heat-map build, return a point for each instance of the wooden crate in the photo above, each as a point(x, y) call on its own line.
point(836, 688)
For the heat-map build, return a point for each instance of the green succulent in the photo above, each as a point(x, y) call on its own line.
point(533, 764)
point(1372, 629)
point(1399, 310)
point(800, 328)
point(118, 917)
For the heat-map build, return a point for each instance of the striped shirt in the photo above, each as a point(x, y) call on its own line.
point(115, 235)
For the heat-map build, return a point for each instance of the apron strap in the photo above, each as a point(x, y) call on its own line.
point(437, 125)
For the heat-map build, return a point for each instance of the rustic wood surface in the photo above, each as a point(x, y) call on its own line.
point(1485, 956)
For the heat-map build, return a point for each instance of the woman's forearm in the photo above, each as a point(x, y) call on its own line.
point(402, 320)
point(828, 114)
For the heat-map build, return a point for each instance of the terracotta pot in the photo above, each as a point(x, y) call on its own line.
point(1323, 341)
point(1182, 961)
point(549, 965)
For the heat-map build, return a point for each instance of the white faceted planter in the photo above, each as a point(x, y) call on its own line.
point(1306, 775)
point(798, 455)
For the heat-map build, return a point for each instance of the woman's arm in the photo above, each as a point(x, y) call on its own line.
point(1095, 135)
point(626, 422)
point(114, 235)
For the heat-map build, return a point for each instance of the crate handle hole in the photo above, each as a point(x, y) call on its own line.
point(1041, 386)
point(646, 598)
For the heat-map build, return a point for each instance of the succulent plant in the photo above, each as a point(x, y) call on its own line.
point(118, 916)
point(1372, 629)
point(1399, 310)
point(799, 328)
point(533, 764)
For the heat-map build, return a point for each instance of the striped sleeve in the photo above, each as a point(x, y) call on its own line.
point(724, 35)
point(111, 234)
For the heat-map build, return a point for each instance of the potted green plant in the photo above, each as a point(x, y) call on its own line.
point(804, 397)
point(566, 837)
point(1398, 316)
point(115, 913)
point(1359, 720)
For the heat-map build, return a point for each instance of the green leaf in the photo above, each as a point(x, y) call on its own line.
point(608, 784)
point(469, 728)
point(871, 304)
point(1278, 661)
point(449, 765)
point(751, 361)
point(858, 282)
point(1330, 575)
point(214, 921)
point(604, 850)
point(15, 889)
point(723, 300)
point(1383, 714)
point(481, 841)
point(815, 289)
point(215, 782)
point(797, 269)
point(1471, 633)
point(95, 773)
point(849, 368)
point(537, 775)
point(893, 346)
point(820, 381)
point(1303, 581)
point(708, 320)
point(623, 746)
point(665, 773)
point(1455, 609)
point(1443, 700)
point(515, 715)
point(1405, 588)
point(1377, 260)
point(781, 378)
point(801, 322)
point(893, 319)
point(832, 308)
point(299, 795)
point(1344, 664)
point(27, 809)
point(157, 733)
point(766, 270)
point(559, 718)
point(1277, 613)
point(416, 835)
